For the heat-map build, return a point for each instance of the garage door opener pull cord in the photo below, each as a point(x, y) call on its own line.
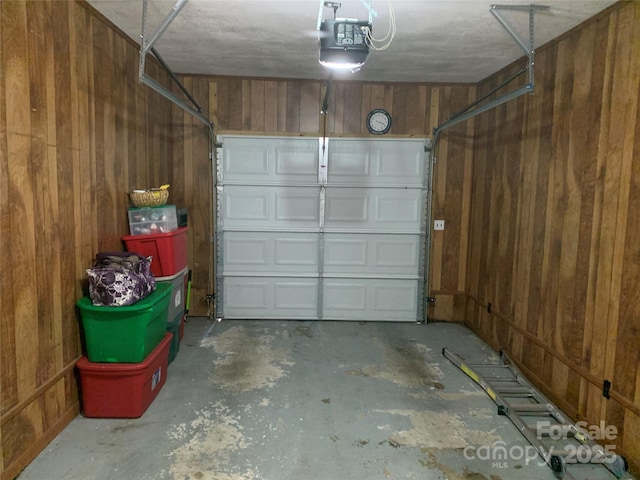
point(563, 445)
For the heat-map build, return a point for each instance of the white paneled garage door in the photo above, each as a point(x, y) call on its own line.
point(328, 229)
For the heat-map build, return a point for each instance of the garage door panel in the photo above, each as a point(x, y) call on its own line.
point(376, 162)
point(345, 253)
point(374, 209)
point(369, 299)
point(244, 251)
point(246, 294)
point(296, 294)
point(299, 251)
point(268, 297)
point(397, 208)
point(264, 252)
point(247, 207)
point(346, 207)
point(371, 254)
point(272, 161)
point(243, 159)
point(299, 225)
point(296, 161)
point(399, 253)
point(300, 206)
point(271, 207)
point(391, 297)
point(349, 166)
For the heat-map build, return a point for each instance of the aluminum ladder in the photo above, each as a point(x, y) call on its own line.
point(563, 445)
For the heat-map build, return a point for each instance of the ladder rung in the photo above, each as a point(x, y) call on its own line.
point(562, 453)
point(503, 386)
point(488, 365)
point(500, 379)
point(514, 390)
point(547, 432)
point(528, 407)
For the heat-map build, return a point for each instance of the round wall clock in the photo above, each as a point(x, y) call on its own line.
point(378, 121)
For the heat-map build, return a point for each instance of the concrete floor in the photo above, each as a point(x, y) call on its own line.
point(275, 400)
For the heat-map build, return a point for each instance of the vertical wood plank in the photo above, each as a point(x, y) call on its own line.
point(415, 116)
point(282, 106)
point(246, 104)
point(352, 113)
point(336, 110)
point(271, 106)
point(8, 367)
point(365, 106)
point(376, 97)
point(222, 103)
point(310, 99)
point(21, 194)
point(293, 107)
point(257, 101)
point(235, 104)
point(399, 108)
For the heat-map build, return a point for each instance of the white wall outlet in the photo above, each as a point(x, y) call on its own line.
point(438, 224)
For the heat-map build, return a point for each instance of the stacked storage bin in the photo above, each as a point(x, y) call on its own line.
point(127, 355)
point(155, 233)
point(176, 310)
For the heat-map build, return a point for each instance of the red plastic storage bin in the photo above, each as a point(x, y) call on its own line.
point(123, 390)
point(169, 250)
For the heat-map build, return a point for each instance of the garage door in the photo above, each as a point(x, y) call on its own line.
point(326, 229)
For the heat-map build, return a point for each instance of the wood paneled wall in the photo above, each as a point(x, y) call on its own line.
point(555, 222)
point(77, 132)
point(292, 107)
point(539, 198)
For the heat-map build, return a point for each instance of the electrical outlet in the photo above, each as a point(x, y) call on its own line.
point(438, 224)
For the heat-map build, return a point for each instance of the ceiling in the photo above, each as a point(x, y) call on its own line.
point(437, 41)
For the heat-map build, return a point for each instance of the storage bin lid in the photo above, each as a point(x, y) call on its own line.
point(162, 290)
point(181, 273)
point(84, 365)
point(138, 238)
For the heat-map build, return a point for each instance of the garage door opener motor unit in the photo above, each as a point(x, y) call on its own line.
point(343, 43)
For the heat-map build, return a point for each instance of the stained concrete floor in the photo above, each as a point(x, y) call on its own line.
point(275, 400)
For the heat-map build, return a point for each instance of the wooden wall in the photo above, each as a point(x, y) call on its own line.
point(77, 132)
point(555, 223)
point(539, 198)
point(292, 107)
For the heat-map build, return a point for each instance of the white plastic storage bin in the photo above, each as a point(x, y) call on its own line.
point(152, 220)
point(178, 294)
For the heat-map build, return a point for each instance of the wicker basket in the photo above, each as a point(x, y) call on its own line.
point(149, 198)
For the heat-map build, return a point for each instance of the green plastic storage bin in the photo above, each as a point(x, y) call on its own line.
point(125, 334)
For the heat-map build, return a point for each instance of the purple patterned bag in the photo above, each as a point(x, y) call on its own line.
point(120, 278)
